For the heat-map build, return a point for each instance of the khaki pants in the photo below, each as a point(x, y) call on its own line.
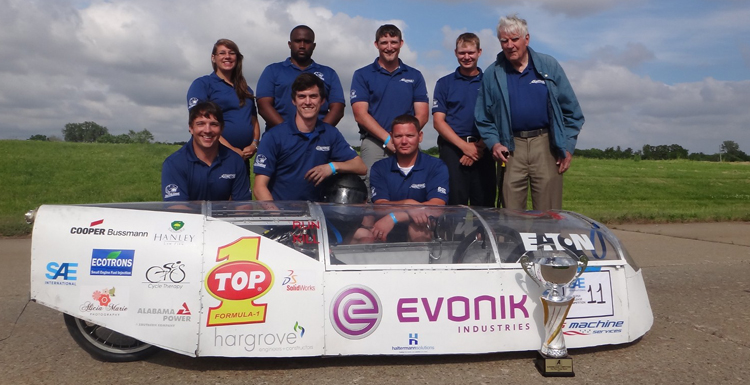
point(372, 151)
point(532, 164)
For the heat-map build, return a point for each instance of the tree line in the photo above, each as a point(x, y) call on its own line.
point(729, 151)
point(90, 132)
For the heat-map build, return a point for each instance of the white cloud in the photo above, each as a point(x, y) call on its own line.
point(127, 64)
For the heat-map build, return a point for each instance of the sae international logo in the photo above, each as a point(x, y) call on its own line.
point(356, 312)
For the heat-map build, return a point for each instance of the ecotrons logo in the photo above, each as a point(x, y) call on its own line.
point(356, 312)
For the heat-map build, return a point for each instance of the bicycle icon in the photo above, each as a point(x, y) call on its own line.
point(172, 271)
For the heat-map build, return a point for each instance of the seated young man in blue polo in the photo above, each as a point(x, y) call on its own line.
point(297, 155)
point(204, 169)
point(409, 177)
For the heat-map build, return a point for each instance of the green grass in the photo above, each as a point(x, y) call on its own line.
point(35, 173)
point(614, 191)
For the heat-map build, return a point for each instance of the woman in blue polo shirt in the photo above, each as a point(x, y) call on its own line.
point(227, 87)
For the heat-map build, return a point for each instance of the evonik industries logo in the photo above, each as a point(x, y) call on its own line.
point(356, 312)
point(112, 262)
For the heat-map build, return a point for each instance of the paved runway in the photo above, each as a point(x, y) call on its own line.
point(697, 276)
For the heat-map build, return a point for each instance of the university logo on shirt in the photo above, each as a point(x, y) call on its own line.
point(260, 161)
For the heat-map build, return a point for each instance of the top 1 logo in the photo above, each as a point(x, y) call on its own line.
point(237, 283)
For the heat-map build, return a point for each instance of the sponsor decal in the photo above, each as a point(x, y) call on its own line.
point(192, 102)
point(93, 229)
point(323, 148)
point(585, 328)
point(164, 316)
point(353, 94)
point(442, 190)
point(537, 81)
point(320, 75)
point(227, 176)
point(167, 276)
point(264, 343)
point(172, 190)
point(435, 103)
point(418, 185)
point(413, 346)
point(237, 282)
point(556, 241)
point(61, 273)
point(112, 262)
point(104, 303)
point(592, 293)
point(175, 235)
point(356, 312)
point(408, 81)
point(291, 284)
point(474, 314)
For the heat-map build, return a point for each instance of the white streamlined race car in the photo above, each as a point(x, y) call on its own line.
point(254, 279)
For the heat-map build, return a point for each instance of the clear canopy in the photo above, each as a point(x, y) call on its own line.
point(383, 235)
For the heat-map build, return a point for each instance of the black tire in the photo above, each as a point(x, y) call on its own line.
point(107, 345)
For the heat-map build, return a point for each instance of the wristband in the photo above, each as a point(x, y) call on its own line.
point(394, 218)
point(332, 168)
point(388, 139)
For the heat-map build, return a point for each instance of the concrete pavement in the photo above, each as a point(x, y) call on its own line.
point(697, 276)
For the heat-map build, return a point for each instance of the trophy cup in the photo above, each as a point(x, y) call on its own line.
point(554, 270)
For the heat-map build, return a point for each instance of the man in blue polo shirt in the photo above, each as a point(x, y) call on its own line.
point(204, 169)
point(384, 90)
point(470, 164)
point(297, 155)
point(274, 85)
point(409, 177)
point(528, 114)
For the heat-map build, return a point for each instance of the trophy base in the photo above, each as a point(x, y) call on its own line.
point(554, 367)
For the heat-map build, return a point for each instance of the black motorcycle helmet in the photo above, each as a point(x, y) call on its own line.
point(344, 188)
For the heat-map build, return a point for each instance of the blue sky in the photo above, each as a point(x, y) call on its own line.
point(645, 72)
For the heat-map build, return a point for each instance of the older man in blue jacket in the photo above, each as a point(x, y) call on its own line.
point(528, 114)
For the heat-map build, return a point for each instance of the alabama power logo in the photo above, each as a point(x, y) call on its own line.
point(237, 282)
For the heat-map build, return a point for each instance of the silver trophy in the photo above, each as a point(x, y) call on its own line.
point(555, 270)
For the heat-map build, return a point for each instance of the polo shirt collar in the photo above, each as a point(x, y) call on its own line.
point(458, 75)
point(223, 154)
point(378, 68)
point(292, 129)
point(418, 165)
point(288, 63)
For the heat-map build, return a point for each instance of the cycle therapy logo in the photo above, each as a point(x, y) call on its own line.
point(237, 282)
point(167, 276)
point(356, 312)
point(112, 262)
point(175, 236)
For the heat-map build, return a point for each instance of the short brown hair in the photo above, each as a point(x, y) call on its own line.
point(388, 30)
point(407, 119)
point(206, 110)
point(468, 38)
